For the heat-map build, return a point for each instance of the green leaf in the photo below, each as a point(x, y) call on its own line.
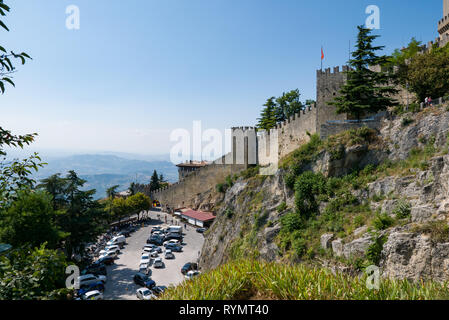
point(3, 25)
point(9, 81)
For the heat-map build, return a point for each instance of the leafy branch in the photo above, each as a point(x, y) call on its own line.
point(7, 67)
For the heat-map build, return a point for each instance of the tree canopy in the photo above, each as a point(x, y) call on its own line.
point(365, 91)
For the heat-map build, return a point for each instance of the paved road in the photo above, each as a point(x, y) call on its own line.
point(120, 285)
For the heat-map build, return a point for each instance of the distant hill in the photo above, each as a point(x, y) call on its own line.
point(104, 171)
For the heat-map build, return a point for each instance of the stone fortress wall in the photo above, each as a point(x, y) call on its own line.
point(249, 147)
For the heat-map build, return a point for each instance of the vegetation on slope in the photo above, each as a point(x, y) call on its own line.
point(250, 279)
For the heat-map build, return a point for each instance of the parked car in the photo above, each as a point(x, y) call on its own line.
point(154, 254)
point(188, 267)
point(144, 280)
point(114, 248)
point(174, 247)
point(105, 260)
point(95, 269)
point(170, 236)
point(125, 233)
point(192, 274)
point(201, 230)
point(99, 286)
point(173, 241)
point(93, 295)
point(89, 279)
point(119, 240)
point(145, 258)
point(158, 290)
point(145, 269)
point(154, 229)
point(111, 254)
point(169, 254)
point(158, 263)
point(145, 294)
point(155, 239)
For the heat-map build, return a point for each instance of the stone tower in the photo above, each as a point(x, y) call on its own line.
point(443, 24)
point(328, 85)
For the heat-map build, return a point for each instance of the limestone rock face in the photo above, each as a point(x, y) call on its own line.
point(415, 257)
point(407, 253)
point(326, 240)
point(357, 248)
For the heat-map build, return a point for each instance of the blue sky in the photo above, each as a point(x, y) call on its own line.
point(138, 69)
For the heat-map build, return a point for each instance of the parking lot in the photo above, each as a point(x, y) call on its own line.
point(120, 285)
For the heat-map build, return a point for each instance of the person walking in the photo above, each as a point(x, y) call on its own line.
point(430, 101)
point(426, 101)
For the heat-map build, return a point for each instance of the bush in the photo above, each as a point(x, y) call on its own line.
point(291, 222)
point(383, 221)
point(282, 207)
point(307, 187)
point(402, 210)
point(221, 187)
point(229, 213)
point(373, 253)
point(406, 121)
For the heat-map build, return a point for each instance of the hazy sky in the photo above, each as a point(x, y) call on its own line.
point(138, 69)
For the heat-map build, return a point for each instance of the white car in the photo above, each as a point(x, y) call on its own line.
point(90, 279)
point(112, 254)
point(169, 254)
point(144, 268)
point(145, 258)
point(145, 294)
point(154, 254)
point(114, 248)
point(147, 250)
point(93, 295)
point(174, 241)
point(158, 263)
point(192, 274)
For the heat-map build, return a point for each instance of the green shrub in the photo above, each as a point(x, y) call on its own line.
point(229, 213)
point(307, 187)
point(281, 207)
point(383, 221)
point(221, 187)
point(373, 253)
point(406, 121)
point(260, 220)
point(291, 222)
point(438, 230)
point(402, 210)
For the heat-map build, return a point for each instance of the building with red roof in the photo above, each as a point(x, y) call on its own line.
point(198, 218)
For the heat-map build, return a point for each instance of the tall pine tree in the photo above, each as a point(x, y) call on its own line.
point(365, 91)
point(267, 118)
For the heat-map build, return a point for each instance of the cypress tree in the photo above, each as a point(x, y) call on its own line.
point(267, 118)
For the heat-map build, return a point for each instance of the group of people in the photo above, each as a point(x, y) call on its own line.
point(428, 102)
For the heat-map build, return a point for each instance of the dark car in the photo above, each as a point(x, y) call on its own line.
point(105, 260)
point(155, 240)
point(155, 229)
point(158, 290)
point(173, 247)
point(91, 287)
point(144, 280)
point(201, 230)
point(188, 267)
point(95, 269)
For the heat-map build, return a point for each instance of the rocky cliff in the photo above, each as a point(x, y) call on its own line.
point(381, 198)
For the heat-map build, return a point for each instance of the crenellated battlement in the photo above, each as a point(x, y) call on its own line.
point(335, 70)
